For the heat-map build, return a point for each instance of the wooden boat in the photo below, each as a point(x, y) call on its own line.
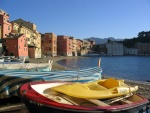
point(39, 97)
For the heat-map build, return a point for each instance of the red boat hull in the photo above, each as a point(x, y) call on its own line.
point(37, 103)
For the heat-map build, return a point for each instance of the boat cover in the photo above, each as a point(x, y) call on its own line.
point(11, 80)
point(26, 66)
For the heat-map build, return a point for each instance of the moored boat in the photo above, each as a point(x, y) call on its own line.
point(41, 97)
point(27, 66)
point(11, 80)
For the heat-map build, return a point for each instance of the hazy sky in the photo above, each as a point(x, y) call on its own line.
point(83, 18)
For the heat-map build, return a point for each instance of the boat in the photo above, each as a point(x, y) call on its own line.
point(1, 59)
point(11, 80)
point(26, 66)
point(11, 60)
point(41, 97)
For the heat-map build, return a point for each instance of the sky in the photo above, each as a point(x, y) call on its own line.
point(81, 19)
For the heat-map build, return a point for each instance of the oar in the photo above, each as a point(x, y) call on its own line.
point(110, 101)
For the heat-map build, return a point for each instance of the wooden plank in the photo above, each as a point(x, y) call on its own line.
point(68, 99)
point(12, 107)
point(98, 102)
point(126, 101)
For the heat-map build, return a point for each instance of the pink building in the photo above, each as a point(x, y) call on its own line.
point(16, 45)
point(64, 45)
point(5, 25)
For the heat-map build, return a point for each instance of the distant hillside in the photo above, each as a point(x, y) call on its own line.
point(102, 40)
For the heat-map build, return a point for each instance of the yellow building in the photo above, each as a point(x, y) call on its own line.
point(33, 36)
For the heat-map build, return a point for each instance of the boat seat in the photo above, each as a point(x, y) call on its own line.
point(96, 86)
point(109, 83)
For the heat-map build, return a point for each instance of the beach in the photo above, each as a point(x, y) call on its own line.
point(144, 87)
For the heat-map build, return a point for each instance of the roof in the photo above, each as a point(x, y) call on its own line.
point(14, 36)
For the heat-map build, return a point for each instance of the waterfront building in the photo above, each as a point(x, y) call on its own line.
point(49, 44)
point(32, 35)
point(102, 49)
point(132, 51)
point(143, 48)
point(86, 47)
point(64, 45)
point(114, 48)
point(79, 46)
point(19, 47)
point(74, 46)
point(5, 25)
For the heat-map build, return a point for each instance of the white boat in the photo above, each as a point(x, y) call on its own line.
point(1, 59)
point(26, 66)
point(11, 60)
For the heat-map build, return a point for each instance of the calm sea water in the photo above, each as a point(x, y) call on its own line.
point(126, 67)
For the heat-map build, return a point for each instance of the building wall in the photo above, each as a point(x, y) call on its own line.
point(16, 46)
point(64, 45)
point(33, 36)
point(26, 24)
point(114, 48)
point(5, 25)
point(31, 52)
point(49, 44)
point(143, 48)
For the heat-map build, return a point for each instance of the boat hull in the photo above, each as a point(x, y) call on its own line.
point(37, 103)
point(35, 107)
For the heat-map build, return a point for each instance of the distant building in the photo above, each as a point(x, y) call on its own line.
point(143, 48)
point(102, 49)
point(74, 46)
point(130, 51)
point(64, 45)
point(49, 44)
point(79, 46)
point(114, 48)
point(16, 45)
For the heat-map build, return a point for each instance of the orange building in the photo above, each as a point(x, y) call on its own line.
point(5, 25)
point(64, 45)
point(49, 44)
point(16, 45)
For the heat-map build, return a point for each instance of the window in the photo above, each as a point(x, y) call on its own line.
point(8, 27)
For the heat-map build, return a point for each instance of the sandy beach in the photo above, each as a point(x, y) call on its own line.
point(144, 87)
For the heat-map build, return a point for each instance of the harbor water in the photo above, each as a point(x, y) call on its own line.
point(126, 67)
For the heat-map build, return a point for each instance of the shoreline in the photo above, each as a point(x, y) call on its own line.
point(144, 87)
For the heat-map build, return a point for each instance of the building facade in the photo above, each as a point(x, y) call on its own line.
point(64, 45)
point(49, 44)
point(143, 48)
point(19, 47)
point(5, 25)
point(114, 48)
point(32, 35)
